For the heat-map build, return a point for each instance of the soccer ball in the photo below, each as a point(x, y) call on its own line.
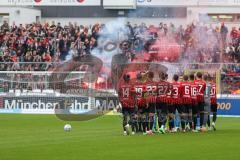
point(67, 127)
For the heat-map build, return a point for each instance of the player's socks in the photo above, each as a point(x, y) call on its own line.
point(214, 117)
point(208, 121)
point(133, 128)
point(151, 119)
point(159, 124)
point(124, 128)
point(163, 122)
point(136, 127)
point(190, 124)
point(214, 121)
point(171, 124)
point(144, 127)
point(127, 128)
point(124, 123)
point(201, 119)
point(195, 122)
point(183, 124)
point(147, 126)
point(151, 125)
point(140, 126)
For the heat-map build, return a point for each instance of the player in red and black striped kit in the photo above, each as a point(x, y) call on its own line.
point(140, 91)
point(126, 98)
point(170, 106)
point(177, 99)
point(213, 95)
point(163, 88)
point(187, 101)
point(200, 95)
point(151, 88)
point(194, 103)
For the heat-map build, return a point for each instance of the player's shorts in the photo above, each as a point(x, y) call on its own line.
point(188, 108)
point(201, 106)
point(162, 107)
point(207, 107)
point(181, 109)
point(214, 108)
point(195, 109)
point(127, 111)
point(151, 107)
point(143, 110)
point(185, 108)
point(171, 108)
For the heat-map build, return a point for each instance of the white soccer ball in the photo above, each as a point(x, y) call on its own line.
point(67, 127)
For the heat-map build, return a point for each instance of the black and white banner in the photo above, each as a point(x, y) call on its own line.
point(52, 104)
point(43, 105)
point(106, 103)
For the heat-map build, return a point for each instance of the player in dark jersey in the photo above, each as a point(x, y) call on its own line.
point(207, 101)
point(177, 99)
point(151, 88)
point(126, 98)
point(213, 95)
point(162, 109)
point(187, 101)
point(140, 90)
point(194, 100)
point(200, 95)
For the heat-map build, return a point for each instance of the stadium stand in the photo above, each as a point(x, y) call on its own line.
point(38, 47)
point(52, 43)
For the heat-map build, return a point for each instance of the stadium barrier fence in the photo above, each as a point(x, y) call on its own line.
point(31, 92)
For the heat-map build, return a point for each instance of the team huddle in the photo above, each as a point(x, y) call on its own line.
point(148, 105)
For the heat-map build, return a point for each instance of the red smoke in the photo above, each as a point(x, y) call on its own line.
point(165, 49)
point(80, 1)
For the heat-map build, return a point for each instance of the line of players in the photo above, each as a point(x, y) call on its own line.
point(147, 105)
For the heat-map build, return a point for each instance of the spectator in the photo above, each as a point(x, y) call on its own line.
point(224, 32)
point(64, 46)
point(5, 26)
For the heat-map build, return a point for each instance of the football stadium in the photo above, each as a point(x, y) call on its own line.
point(126, 79)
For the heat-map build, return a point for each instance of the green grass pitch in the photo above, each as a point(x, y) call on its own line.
point(41, 137)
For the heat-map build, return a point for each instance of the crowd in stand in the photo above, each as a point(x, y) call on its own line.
point(232, 50)
point(43, 43)
point(25, 47)
point(54, 42)
point(230, 79)
point(231, 69)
